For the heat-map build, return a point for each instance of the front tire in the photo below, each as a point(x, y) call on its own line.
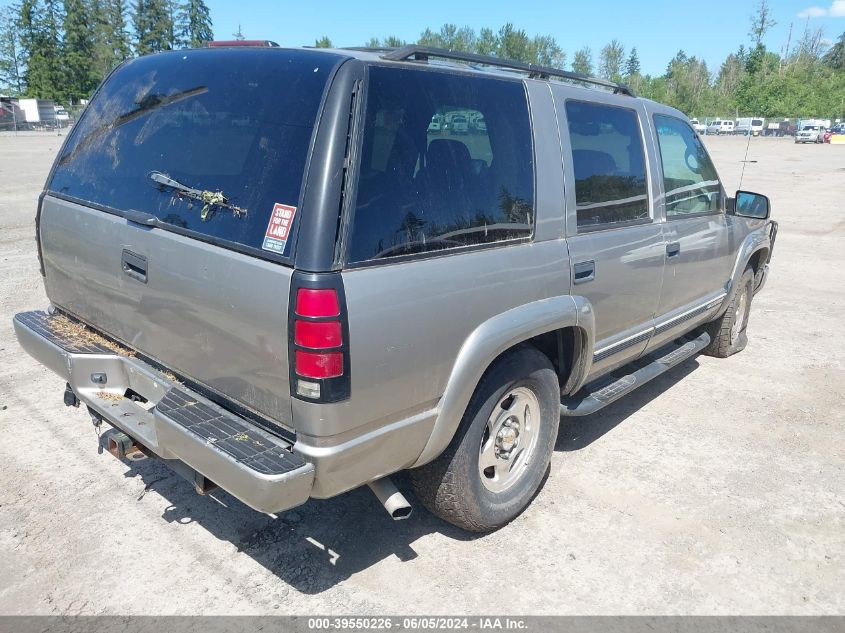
point(500, 454)
point(728, 331)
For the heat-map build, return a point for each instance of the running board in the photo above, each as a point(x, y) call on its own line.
point(599, 394)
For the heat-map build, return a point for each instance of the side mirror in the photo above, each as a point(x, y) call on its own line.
point(751, 205)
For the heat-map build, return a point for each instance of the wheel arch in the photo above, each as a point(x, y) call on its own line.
point(560, 327)
point(753, 252)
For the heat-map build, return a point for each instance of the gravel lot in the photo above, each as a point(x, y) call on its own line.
point(718, 488)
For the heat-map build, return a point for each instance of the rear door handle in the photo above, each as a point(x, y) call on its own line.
point(583, 272)
point(673, 249)
point(134, 265)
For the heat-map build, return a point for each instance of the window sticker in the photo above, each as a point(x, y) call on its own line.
point(278, 229)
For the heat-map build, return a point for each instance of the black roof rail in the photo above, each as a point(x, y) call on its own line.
point(369, 49)
point(535, 71)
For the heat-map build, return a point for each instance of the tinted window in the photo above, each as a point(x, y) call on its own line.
point(608, 164)
point(446, 162)
point(238, 122)
point(689, 178)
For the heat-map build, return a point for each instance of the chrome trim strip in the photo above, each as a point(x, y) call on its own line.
point(622, 344)
point(692, 311)
point(633, 339)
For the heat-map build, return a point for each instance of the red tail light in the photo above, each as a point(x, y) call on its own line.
point(317, 303)
point(318, 333)
point(319, 365)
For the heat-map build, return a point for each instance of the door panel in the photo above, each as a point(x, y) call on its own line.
point(628, 270)
point(698, 261)
point(702, 264)
point(616, 243)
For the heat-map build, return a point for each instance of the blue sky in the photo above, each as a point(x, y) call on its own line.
point(658, 28)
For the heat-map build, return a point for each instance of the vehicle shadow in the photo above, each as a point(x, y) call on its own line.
point(318, 545)
point(577, 433)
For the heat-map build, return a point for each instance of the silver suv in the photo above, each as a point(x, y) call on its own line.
point(269, 270)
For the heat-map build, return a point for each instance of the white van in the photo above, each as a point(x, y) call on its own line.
point(698, 127)
point(721, 126)
point(749, 126)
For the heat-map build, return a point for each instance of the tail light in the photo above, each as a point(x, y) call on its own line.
point(318, 335)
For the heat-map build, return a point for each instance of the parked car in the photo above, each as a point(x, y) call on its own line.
point(62, 116)
point(336, 297)
point(700, 128)
point(459, 124)
point(749, 126)
point(7, 117)
point(721, 126)
point(436, 123)
point(779, 129)
point(810, 134)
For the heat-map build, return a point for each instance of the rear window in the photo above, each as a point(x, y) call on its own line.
point(446, 162)
point(233, 127)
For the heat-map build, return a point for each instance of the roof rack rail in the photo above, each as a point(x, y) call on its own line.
point(535, 71)
point(369, 49)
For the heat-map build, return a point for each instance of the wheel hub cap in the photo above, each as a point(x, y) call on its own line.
point(510, 439)
point(507, 438)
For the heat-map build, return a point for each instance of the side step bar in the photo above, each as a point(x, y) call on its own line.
point(600, 394)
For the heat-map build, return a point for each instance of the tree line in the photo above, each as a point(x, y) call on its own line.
point(806, 78)
point(62, 50)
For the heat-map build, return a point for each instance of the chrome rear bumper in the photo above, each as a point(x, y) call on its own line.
point(169, 419)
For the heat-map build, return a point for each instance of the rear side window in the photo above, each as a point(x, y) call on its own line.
point(690, 181)
point(608, 163)
point(446, 162)
point(233, 126)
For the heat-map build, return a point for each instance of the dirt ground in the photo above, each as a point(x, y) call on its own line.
point(718, 488)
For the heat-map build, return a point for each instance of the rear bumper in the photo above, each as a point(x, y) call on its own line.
point(175, 422)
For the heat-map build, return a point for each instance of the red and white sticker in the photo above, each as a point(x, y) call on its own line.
point(278, 229)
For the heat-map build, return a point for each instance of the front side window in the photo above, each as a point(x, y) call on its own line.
point(608, 163)
point(690, 181)
point(446, 162)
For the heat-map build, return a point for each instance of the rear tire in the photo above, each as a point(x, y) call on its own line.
point(500, 455)
point(728, 331)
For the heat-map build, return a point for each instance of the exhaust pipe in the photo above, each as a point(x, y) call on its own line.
point(394, 502)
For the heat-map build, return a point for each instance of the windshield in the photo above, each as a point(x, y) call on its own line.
point(231, 127)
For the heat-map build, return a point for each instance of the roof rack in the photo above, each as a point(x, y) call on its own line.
point(422, 53)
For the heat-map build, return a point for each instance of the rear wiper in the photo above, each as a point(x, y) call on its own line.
point(147, 104)
point(211, 199)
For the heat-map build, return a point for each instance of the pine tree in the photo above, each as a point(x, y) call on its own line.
point(78, 53)
point(632, 66)
point(323, 42)
point(11, 69)
point(117, 38)
point(195, 24)
point(583, 61)
point(41, 43)
point(153, 26)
